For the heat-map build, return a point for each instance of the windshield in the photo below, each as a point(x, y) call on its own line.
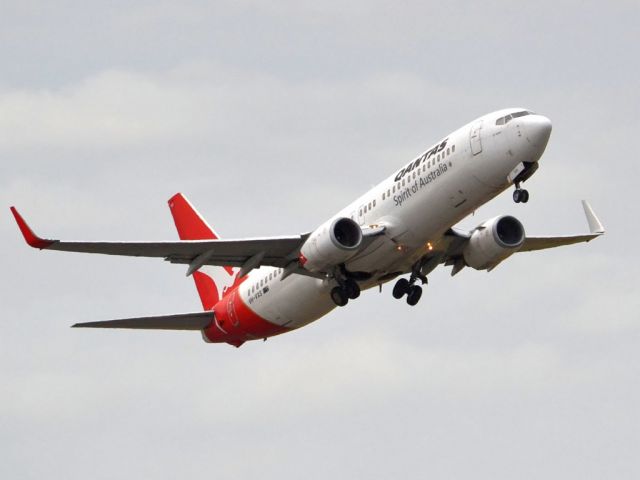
point(507, 118)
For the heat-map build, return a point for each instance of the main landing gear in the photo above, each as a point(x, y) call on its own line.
point(348, 289)
point(406, 287)
point(520, 195)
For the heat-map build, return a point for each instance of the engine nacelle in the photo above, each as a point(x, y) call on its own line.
point(493, 241)
point(331, 244)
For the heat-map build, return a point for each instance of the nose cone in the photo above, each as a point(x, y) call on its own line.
point(537, 133)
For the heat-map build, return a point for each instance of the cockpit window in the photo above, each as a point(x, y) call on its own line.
point(507, 118)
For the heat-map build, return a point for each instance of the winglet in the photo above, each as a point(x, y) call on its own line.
point(31, 238)
point(595, 226)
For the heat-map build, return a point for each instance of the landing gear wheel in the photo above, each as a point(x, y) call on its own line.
point(516, 196)
point(401, 287)
point(415, 292)
point(339, 296)
point(352, 289)
point(520, 195)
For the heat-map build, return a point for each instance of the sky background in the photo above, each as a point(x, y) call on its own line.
point(271, 116)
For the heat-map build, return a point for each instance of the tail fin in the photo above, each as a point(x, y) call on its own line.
point(211, 282)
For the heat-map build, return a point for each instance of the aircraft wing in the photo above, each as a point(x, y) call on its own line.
point(540, 243)
point(455, 240)
point(247, 253)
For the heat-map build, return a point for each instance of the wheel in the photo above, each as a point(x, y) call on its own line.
point(517, 195)
point(400, 288)
point(339, 296)
point(352, 288)
point(414, 295)
point(524, 196)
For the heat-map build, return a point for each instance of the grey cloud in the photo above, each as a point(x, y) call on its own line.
point(271, 117)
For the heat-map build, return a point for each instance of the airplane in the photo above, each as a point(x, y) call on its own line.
point(403, 228)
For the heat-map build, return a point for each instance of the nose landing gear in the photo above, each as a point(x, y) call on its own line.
point(520, 195)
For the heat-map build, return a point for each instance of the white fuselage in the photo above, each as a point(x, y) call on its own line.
point(417, 204)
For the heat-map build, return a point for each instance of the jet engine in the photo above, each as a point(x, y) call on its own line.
point(493, 241)
point(331, 244)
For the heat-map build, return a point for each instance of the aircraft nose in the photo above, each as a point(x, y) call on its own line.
point(538, 131)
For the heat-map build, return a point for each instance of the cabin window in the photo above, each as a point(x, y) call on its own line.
point(374, 202)
point(384, 195)
point(403, 182)
point(388, 192)
point(369, 205)
point(453, 148)
point(448, 151)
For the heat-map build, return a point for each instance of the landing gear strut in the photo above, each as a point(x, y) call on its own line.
point(406, 287)
point(520, 195)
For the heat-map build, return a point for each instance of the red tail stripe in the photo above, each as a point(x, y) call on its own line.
point(206, 290)
point(188, 221)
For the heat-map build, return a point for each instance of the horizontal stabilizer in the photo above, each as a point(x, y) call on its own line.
point(179, 321)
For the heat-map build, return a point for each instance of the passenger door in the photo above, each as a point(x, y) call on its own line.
point(475, 137)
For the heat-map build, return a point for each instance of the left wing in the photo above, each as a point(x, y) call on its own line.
point(247, 253)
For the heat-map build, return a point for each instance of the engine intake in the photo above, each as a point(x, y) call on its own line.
point(331, 244)
point(494, 241)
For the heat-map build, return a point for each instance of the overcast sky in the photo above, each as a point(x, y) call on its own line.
point(271, 116)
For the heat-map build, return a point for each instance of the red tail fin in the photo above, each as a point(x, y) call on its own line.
point(210, 281)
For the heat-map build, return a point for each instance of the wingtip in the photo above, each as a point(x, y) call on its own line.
point(595, 226)
point(30, 237)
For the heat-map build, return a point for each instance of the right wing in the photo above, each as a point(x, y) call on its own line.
point(455, 240)
point(540, 243)
point(248, 253)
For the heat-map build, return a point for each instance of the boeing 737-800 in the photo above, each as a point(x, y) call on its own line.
point(404, 227)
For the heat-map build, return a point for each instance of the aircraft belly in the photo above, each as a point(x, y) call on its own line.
point(294, 302)
point(379, 254)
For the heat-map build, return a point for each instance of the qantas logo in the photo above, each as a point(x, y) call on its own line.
point(416, 163)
